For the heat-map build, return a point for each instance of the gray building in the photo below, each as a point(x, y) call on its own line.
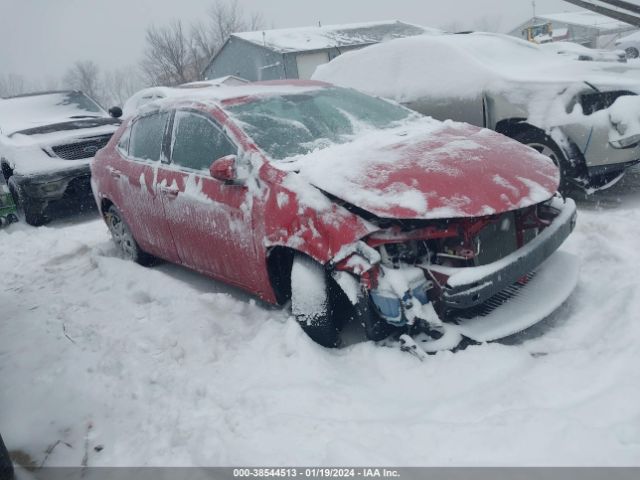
point(296, 52)
point(584, 27)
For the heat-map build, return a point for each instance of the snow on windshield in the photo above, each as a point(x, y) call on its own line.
point(296, 124)
point(30, 111)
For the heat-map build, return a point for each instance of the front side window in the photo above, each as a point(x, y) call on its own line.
point(197, 142)
point(146, 136)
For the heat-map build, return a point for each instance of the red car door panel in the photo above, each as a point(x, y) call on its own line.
point(211, 222)
point(134, 173)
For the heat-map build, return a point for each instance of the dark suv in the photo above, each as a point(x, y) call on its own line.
point(46, 143)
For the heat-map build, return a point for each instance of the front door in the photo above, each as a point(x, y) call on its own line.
point(210, 221)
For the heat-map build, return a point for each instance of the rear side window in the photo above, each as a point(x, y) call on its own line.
point(197, 142)
point(146, 136)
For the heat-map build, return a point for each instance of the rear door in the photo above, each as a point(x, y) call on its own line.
point(210, 221)
point(134, 174)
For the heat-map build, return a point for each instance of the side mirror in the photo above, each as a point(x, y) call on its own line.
point(224, 168)
point(115, 112)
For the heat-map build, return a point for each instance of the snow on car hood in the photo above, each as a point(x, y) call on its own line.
point(428, 169)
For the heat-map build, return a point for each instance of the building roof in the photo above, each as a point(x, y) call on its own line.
point(330, 36)
point(586, 18)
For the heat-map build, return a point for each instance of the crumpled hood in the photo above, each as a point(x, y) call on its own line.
point(429, 169)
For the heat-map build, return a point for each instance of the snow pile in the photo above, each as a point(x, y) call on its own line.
point(162, 366)
point(624, 114)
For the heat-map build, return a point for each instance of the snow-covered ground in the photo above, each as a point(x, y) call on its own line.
point(161, 366)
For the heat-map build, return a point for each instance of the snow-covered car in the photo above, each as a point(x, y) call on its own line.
point(46, 143)
point(347, 205)
point(630, 44)
point(556, 105)
point(579, 52)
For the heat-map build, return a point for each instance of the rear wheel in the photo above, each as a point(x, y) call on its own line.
point(318, 303)
point(29, 210)
point(632, 52)
point(123, 238)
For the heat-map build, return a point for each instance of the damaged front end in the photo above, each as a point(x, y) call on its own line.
point(444, 279)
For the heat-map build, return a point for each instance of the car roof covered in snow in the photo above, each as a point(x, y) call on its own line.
point(329, 36)
point(232, 93)
point(35, 110)
point(463, 65)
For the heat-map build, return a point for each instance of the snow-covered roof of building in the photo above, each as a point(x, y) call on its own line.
point(586, 18)
point(328, 36)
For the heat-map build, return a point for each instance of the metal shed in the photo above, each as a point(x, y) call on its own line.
point(296, 52)
point(584, 27)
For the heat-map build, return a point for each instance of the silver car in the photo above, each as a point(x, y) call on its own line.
point(557, 105)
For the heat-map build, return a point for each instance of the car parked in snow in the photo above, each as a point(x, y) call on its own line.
point(579, 52)
point(630, 44)
point(347, 205)
point(46, 143)
point(558, 106)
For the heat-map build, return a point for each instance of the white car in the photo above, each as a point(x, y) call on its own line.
point(630, 44)
point(47, 141)
point(582, 53)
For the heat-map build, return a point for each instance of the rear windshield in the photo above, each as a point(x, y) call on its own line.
point(288, 125)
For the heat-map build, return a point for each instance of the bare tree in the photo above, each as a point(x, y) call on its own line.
point(488, 23)
point(119, 85)
point(12, 84)
point(84, 75)
point(175, 56)
point(167, 57)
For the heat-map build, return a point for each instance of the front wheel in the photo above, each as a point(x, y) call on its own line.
point(631, 52)
point(545, 145)
point(318, 303)
point(29, 210)
point(123, 238)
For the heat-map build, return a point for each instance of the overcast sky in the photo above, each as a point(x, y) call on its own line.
point(42, 38)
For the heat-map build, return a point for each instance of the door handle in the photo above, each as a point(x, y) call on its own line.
point(170, 191)
point(114, 172)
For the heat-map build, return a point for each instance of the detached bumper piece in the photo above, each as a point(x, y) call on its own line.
point(472, 286)
point(548, 288)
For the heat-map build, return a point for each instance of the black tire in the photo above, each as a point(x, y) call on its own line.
point(123, 238)
point(543, 143)
point(632, 52)
point(29, 210)
point(322, 317)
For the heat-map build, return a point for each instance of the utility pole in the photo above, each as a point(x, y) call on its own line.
point(533, 4)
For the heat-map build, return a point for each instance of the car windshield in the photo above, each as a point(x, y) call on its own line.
point(296, 124)
point(32, 111)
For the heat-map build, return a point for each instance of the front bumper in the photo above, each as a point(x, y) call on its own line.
point(72, 184)
point(471, 286)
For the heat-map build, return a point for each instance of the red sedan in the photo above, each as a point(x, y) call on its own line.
point(349, 206)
